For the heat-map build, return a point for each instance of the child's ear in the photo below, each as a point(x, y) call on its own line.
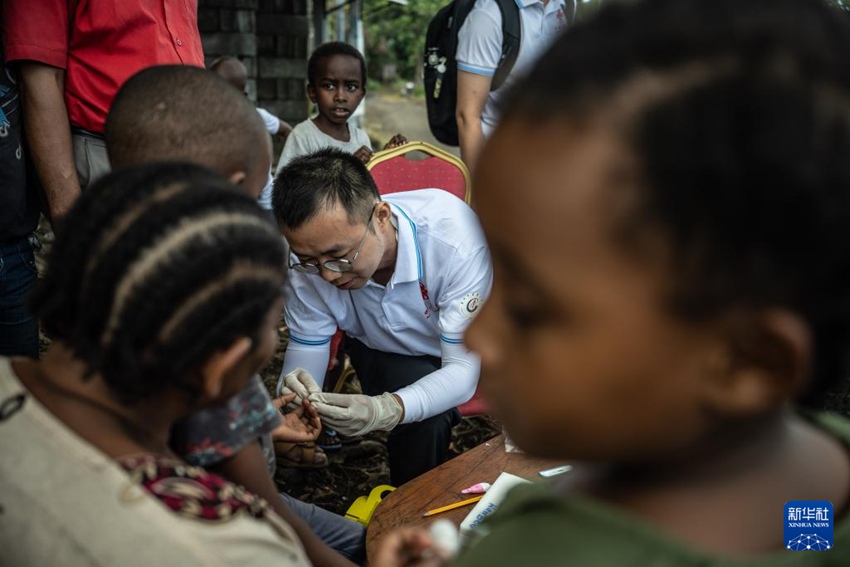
point(764, 362)
point(237, 177)
point(311, 93)
point(218, 366)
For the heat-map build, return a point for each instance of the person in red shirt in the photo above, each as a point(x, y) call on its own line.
point(73, 57)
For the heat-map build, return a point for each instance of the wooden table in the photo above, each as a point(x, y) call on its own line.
point(442, 486)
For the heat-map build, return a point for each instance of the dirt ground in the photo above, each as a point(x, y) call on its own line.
point(388, 113)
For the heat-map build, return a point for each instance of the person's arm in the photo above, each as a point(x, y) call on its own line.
point(283, 129)
point(311, 357)
point(472, 91)
point(248, 468)
point(311, 325)
point(453, 384)
point(49, 134)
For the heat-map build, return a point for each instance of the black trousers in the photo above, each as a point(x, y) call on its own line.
point(414, 448)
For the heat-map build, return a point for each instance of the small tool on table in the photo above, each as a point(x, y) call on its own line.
point(453, 506)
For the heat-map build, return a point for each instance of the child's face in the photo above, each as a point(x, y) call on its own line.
point(338, 89)
point(579, 359)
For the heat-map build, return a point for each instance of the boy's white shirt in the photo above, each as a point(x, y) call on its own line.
point(480, 44)
point(306, 138)
point(440, 245)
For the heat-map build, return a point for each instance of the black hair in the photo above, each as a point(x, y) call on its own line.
point(318, 181)
point(155, 268)
point(180, 112)
point(739, 116)
point(330, 49)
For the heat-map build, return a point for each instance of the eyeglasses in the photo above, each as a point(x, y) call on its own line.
point(340, 266)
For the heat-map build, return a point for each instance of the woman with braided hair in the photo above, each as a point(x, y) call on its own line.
point(162, 296)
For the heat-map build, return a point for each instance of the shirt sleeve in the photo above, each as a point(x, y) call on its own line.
point(479, 47)
point(213, 434)
point(271, 121)
point(297, 144)
point(311, 326)
point(454, 383)
point(36, 30)
point(362, 138)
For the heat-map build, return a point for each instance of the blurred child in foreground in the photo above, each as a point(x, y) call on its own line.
point(673, 291)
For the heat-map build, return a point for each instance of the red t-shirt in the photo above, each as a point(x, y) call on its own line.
point(100, 44)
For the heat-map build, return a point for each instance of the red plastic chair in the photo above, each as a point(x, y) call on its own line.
point(475, 406)
point(394, 170)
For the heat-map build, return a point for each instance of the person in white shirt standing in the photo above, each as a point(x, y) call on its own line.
point(403, 277)
point(479, 51)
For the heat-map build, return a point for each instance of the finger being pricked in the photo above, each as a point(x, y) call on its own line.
point(409, 547)
point(284, 399)
point(287, 401)
point(310, 413)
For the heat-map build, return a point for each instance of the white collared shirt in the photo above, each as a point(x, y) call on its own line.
point(480, 44)
point(442, 275)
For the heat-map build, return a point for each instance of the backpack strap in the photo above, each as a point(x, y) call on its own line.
point(511, 30)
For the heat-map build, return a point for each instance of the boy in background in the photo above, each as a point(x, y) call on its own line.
point(336, 84)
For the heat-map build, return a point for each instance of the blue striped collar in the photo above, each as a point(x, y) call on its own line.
point(408, 263)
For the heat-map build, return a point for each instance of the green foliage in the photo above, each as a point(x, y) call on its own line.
point(396, 34)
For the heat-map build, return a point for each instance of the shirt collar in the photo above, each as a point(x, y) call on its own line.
point(408, 262)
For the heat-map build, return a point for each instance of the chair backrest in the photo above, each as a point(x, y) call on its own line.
point(394, 171)
point(475, 406)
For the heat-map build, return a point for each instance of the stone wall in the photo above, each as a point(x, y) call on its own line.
point(272, 39)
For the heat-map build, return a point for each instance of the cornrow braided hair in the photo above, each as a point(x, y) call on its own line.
point(155, 268)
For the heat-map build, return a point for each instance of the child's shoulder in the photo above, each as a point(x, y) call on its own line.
point(537, 525)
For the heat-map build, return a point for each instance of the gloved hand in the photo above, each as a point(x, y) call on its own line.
point(355, 414)
point(300, 383)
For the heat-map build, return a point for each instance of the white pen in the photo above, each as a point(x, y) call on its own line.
point(546, 473)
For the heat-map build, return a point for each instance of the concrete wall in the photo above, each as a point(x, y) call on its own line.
point(272, 39)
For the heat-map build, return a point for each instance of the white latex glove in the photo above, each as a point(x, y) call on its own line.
point(355, 414)
point(301, 383)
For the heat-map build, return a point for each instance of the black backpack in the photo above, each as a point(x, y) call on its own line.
point(440, 74)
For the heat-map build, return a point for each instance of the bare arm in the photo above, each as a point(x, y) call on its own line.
point(472, 91)
point(283, 129)
point(49, 134)
point(248, 468)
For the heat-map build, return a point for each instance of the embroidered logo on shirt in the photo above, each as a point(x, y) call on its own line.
point(424, 291)
point(469, 304)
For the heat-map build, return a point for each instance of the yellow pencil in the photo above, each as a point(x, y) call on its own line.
point(453, 506)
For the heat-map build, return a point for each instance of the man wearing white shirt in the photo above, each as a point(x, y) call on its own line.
point(479, 51)
point(403, 278)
